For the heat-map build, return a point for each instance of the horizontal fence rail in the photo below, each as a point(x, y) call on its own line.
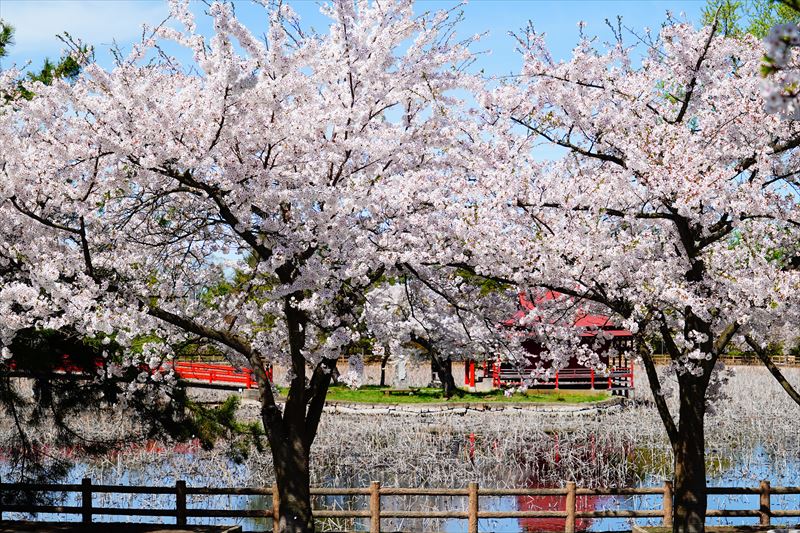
point(218, 373)
point(745, 359)
point(374, 512)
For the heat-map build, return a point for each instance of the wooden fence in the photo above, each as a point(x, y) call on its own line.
point(743, 359)
point(374, 512)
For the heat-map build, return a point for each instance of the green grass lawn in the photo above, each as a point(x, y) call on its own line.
point(374, 394)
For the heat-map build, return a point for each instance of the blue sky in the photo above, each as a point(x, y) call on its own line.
point(103, 22)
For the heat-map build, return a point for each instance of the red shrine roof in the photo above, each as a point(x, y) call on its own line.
point(583, 319)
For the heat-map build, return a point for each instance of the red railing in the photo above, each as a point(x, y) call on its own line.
point(616, 377)
point(218, 373)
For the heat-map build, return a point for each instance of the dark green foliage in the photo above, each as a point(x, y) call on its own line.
point(183, 419)
point(6, 38)
point(736, 18)
point(487, 285)
point(209, 425)
point(42, 350)
point(68, 376)
point(791, 4)
point(66, 68)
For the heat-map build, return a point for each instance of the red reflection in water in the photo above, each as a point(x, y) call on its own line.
point(555, 503)
point(588, 454)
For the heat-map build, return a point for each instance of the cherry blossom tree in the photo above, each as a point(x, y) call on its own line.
point(44, 411)
point(444, 314)
point(672, 204)
point(131, 195)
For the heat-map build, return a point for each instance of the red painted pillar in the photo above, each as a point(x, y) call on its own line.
point(472, 374)
point(466, 372)
point(593, 379)
point(496, 374)
point(631, 373)
point(556, 379)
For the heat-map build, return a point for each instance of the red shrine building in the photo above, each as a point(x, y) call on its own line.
point(615, 374)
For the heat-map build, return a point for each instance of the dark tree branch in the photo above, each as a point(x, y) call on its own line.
point(575, 148)
point(777, 149)
point(225, 212)
point(725, 337)
point(608, 211)
point(693, 82)
point(471, 269)
point(42, 220)
point(228, 339)
point(669, 342)
point(315, 398)
point(658, 396)
point(774, 370)
point(87, 254)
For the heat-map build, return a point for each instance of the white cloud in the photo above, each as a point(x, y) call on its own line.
point(37, 22)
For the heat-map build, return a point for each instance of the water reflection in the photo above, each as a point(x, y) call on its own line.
point(740, 467)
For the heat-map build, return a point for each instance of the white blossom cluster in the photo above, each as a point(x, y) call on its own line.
point(783, 69)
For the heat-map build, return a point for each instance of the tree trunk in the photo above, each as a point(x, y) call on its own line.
point(291, 432)
point(444, 369)
point(335, 376)
point(290, 438)
point(384, 360)
point(292, 476)
point(690, 466)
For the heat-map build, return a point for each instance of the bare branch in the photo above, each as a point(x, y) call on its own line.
point(774, 370)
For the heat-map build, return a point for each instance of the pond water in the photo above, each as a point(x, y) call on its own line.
point(752, 435)
point(743, 471)
point(747, 473)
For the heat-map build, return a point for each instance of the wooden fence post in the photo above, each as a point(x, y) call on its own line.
point(276, 503)
point(667, 504)
point(473, 508)
point(375, 507)
point(86, 500)
point(180, 502)
point(765, 506)
point(569, 526)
